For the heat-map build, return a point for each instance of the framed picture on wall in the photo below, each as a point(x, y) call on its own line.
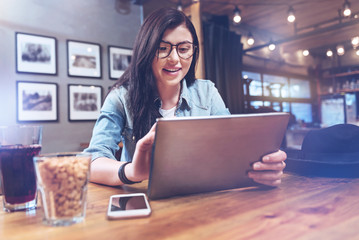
point(36, 101)
point(119, 59)
point(35, 54)
point(84, 102)
point(84, 59)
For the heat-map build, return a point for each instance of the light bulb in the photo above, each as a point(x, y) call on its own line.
point(347, 12)
point(357, 52)
point(237, 18)
point(271, 46)
point(305, 52)
point(291, 16)
point(250, 39)
point(355, 41)
point(237, 15)
point(346, 6)
point(340, 50)
point(329, 53)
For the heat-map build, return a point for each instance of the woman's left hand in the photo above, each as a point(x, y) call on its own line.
point(269, 171)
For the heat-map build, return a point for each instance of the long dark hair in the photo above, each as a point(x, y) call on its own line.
point(138, 77)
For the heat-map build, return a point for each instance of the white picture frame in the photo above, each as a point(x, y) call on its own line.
point(84, 102)
point(36, 54)
point(119, 59)
point(84, 59)
point(37, 101)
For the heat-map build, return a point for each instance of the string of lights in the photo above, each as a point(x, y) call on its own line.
point(291, 18)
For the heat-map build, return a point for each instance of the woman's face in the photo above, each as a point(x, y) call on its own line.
point(169, 71)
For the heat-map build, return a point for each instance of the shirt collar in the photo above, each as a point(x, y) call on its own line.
point(184, 100)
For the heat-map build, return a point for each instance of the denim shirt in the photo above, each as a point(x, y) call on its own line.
point(115, 125)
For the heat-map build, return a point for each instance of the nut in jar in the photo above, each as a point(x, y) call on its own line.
point(62, 181)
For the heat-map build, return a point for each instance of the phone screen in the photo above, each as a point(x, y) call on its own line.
point(128, 203)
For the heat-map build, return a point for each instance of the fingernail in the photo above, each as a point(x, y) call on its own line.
point(256, 166)
point(265, 159)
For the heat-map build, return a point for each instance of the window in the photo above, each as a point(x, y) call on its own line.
point(332, 111)
point(256, 104)
point(299, 88)
point(255, 83)
point(275, 86)
point(286, 106)
point(302, 111)
point(279, 93)
point(277, 106)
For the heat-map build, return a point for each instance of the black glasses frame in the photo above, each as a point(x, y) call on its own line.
point(176, 45)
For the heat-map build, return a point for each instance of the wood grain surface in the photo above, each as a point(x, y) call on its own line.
point(301, 208)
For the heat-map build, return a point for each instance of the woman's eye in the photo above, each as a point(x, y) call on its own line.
point(184, 49)
point(162, 48)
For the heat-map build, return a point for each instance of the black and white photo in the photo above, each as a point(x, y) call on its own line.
point(119, 60)
point(84, 59)
point(36, 54)
point(36, 101)
point(84, 102)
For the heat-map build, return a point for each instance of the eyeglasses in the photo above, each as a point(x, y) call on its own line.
point(184, 50)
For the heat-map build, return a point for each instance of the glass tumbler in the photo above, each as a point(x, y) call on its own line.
point(62, 182)
point(18, 145)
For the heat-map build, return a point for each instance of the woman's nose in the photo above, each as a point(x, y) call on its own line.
point(173, 54)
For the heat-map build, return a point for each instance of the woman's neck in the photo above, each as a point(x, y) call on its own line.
point(169, 96)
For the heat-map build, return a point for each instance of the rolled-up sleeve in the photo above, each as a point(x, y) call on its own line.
point(107, 132)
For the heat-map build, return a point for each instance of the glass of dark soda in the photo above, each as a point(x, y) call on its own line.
point(18, 145)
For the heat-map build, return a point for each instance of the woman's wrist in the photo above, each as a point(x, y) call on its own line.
point(124, 175)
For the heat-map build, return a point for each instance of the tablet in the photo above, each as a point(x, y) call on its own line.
point(202, 154)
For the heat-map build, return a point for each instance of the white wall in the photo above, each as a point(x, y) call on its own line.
point(83, 20)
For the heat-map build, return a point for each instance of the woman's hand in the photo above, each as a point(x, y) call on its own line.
point(269, 171)
point(139, 169)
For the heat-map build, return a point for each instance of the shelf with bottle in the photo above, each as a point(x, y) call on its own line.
point(343, 74)
point(348, 86)
point(340, 84)
point(339, 80)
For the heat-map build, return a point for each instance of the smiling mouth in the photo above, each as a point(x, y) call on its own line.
point(171, 70)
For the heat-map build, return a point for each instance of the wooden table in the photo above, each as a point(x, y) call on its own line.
point(301, 208)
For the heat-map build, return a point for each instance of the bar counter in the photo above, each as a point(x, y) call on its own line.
point(301, 208)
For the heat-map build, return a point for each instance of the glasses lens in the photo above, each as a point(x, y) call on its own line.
point(164, 50)
point(185, 50)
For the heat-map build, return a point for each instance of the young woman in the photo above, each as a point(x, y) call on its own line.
point(160, 82)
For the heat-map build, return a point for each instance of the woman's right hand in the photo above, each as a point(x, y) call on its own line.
point(139, 169)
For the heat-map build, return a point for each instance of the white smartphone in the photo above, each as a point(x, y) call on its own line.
point(128, 206)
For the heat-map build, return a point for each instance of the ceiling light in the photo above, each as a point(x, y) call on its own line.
point(355, 41)
point(237, 15)
point(179, 6)
point(329, 53)
point(291, 16)
point(305, 52)
point(250, 39)
point(357, 52)
point(340, 50)
point(346, 9)
point(271, 46)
